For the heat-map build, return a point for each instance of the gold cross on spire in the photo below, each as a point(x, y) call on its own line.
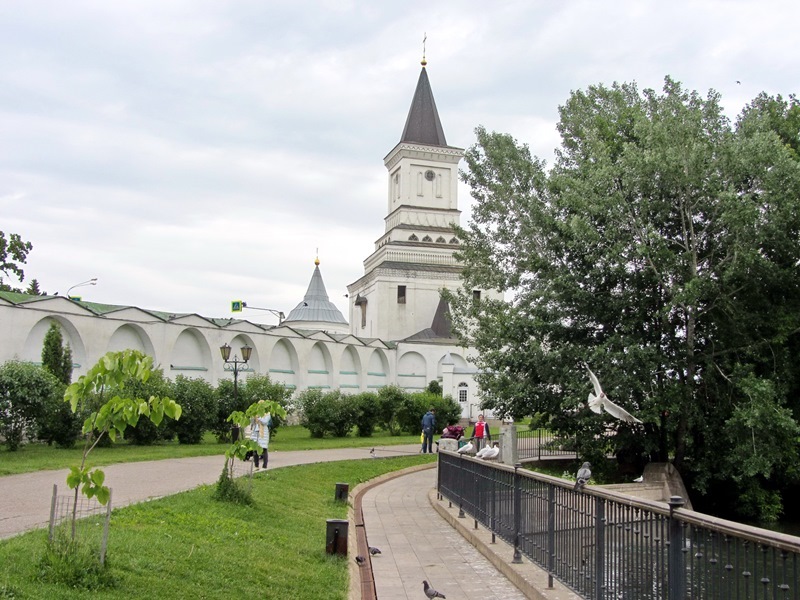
point(424, 39)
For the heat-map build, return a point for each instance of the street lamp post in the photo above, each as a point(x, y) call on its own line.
point(235, 365)
point(277, 313)
point(92, 281)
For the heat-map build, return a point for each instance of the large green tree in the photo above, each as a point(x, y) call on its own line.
point(13, 253)
point(661, 249)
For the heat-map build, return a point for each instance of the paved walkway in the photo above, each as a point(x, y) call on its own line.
point(418, 538)
point(25, 498)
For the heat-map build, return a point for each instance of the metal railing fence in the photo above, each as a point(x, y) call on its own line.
point(541, 443)
point(607, 545)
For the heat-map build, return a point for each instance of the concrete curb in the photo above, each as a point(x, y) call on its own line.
point(529, 578)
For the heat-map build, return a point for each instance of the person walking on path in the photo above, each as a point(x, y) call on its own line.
point(260, 434)
point(480, 433)
point(428, 427)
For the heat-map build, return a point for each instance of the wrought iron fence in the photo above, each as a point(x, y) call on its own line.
point(540, 443)
point(607, 545)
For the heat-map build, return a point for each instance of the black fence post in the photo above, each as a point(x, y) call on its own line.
point(676, 568)
point(517, 513)
point(551, 533)
point(461, 487)
point(493, 518)
point(600, 549)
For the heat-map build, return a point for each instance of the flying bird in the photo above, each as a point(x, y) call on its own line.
point(360, 560)
point(467, 448)
point(492, 452)
point(373, 550)
point(584, 475)
point(599, 402)
point(430, 592)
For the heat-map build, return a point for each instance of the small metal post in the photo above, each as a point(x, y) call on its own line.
point(104, 544)
point(53, 512)
point(517, 513)
point(600, 549)
point(461, 486)
point(551, 533)
point(676, 568)
point(493, 516)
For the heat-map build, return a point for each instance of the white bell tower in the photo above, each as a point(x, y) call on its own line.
point(413, 261)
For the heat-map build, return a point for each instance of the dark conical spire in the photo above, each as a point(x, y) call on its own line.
point(423, 125)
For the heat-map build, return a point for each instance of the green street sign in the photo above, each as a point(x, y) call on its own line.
point(237, 305)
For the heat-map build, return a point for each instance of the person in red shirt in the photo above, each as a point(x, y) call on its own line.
point(480, 433)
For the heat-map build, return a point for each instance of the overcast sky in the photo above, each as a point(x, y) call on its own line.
point(188, 153)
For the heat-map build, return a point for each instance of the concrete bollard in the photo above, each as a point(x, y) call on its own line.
point(342, 489)
point(336, 537)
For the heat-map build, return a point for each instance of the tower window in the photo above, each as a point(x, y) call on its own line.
point(476, 295)
point(427, 238)
point(454, 241)
point(413, 238)
point(440, 240)
point(401, 294)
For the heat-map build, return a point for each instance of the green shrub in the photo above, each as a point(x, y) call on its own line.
point(24, 392)
point(226, 404)
point(198, 405)
point(331, 412)
point(58, 424)
point(231, 490)
point(413, 406)
point(389, 400)
point(366, 405)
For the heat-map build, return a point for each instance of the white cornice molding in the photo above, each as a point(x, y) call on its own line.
point(449, 154)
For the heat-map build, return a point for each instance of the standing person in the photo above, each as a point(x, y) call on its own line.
point(260, 434)
point(481, 433)
point(428, 427)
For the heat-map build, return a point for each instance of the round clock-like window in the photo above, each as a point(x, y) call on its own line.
point(430, 175)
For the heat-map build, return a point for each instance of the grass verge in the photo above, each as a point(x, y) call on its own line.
point(191, 546)
point(39, 457)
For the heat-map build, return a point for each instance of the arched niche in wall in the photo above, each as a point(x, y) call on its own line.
point(191, 355)
point(412, 371)
point(319, 366)
point(377, 369)
point(133, 337)
point(32, 351)
point(350, 370)
point(457, 360)
point(284, 364)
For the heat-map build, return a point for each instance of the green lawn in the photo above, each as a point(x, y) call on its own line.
point(190, 546)
point(38, 457)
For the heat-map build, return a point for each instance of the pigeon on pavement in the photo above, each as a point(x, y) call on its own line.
point(430, 592)
point(599, 402)
point(373, 550)
point(584, 475)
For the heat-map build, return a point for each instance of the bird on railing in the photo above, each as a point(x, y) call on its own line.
point(599, 402)
point(491, 452)
point(467, 448)
point(584, 475)
point(430, 592)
